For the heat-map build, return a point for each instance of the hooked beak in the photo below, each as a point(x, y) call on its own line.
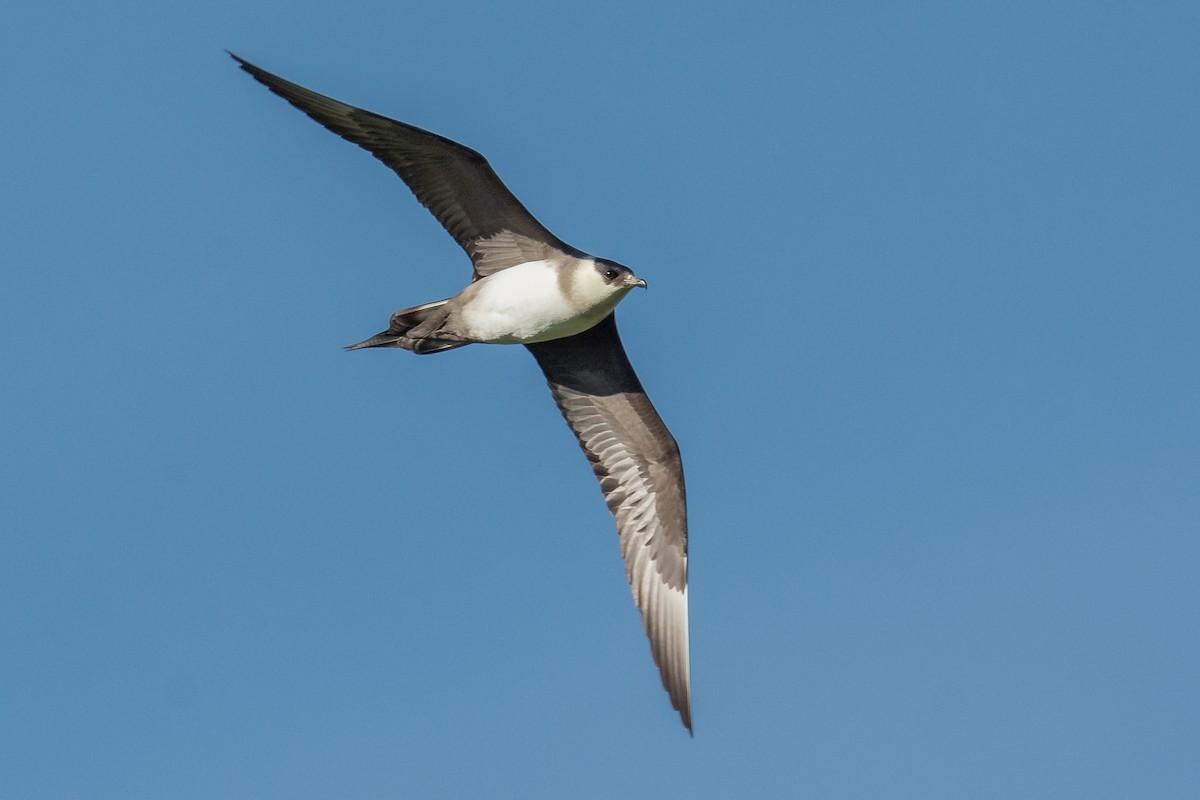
point(637, 282)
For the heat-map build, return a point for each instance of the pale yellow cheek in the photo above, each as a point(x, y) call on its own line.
point(589, 290)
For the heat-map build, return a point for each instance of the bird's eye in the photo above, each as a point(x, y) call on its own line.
point(611, 274)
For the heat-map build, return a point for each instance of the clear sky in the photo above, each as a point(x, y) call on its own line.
point(923, 314)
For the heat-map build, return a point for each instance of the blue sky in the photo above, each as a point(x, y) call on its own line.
point(923, 316)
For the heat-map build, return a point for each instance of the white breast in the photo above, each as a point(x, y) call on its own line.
point(530, 303)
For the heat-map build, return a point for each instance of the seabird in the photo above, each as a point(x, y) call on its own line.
point(531, 288)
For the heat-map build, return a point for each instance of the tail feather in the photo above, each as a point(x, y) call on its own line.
point(405, 320)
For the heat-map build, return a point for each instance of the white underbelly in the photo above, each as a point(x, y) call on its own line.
point(525, 304)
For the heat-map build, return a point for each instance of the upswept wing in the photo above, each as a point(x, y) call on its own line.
point(637, 462)
point(454, 182)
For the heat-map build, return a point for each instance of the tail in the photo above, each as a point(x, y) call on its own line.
point(405, 320)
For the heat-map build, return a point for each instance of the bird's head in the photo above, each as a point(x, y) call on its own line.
point(617, 276)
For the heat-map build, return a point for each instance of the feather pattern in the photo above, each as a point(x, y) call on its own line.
point(454, 182)
point(641, 475)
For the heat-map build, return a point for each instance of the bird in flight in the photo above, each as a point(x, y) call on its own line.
point(531, 288)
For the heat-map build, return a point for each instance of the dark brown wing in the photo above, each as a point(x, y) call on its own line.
point(637, 461)
point(454, 182)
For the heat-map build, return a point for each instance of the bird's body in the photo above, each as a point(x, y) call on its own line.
point(531, 288)
point(538, 301)
point(534, 301)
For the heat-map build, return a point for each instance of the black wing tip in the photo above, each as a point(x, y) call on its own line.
point(258, 73)
point(243, 63)
point(273, 82)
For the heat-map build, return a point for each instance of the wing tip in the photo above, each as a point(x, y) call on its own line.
point(272, 82)
point(683, 704)
point(241, 62)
